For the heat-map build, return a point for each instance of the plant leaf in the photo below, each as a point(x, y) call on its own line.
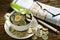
point(27, 11)
point(15, 7)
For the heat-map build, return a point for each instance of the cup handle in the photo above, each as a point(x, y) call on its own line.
point(7, 15)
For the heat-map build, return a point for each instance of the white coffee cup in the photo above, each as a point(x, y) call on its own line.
point(32, 24)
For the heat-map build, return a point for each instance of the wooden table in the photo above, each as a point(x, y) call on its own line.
point(5, 7)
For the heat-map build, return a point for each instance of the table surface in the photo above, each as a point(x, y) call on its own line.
point(5, 7)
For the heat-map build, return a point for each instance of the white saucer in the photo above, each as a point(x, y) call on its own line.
point(6, 27)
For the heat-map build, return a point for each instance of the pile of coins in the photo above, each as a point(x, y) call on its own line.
point(41, 32)
point(20, 33)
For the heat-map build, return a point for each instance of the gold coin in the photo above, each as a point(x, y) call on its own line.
point(17, 17)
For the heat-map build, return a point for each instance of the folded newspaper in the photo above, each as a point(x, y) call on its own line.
point(40, 10)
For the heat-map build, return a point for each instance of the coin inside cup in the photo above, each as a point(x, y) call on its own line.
point(20, 19)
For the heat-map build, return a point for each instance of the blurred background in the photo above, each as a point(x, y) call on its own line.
point(5, 7)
